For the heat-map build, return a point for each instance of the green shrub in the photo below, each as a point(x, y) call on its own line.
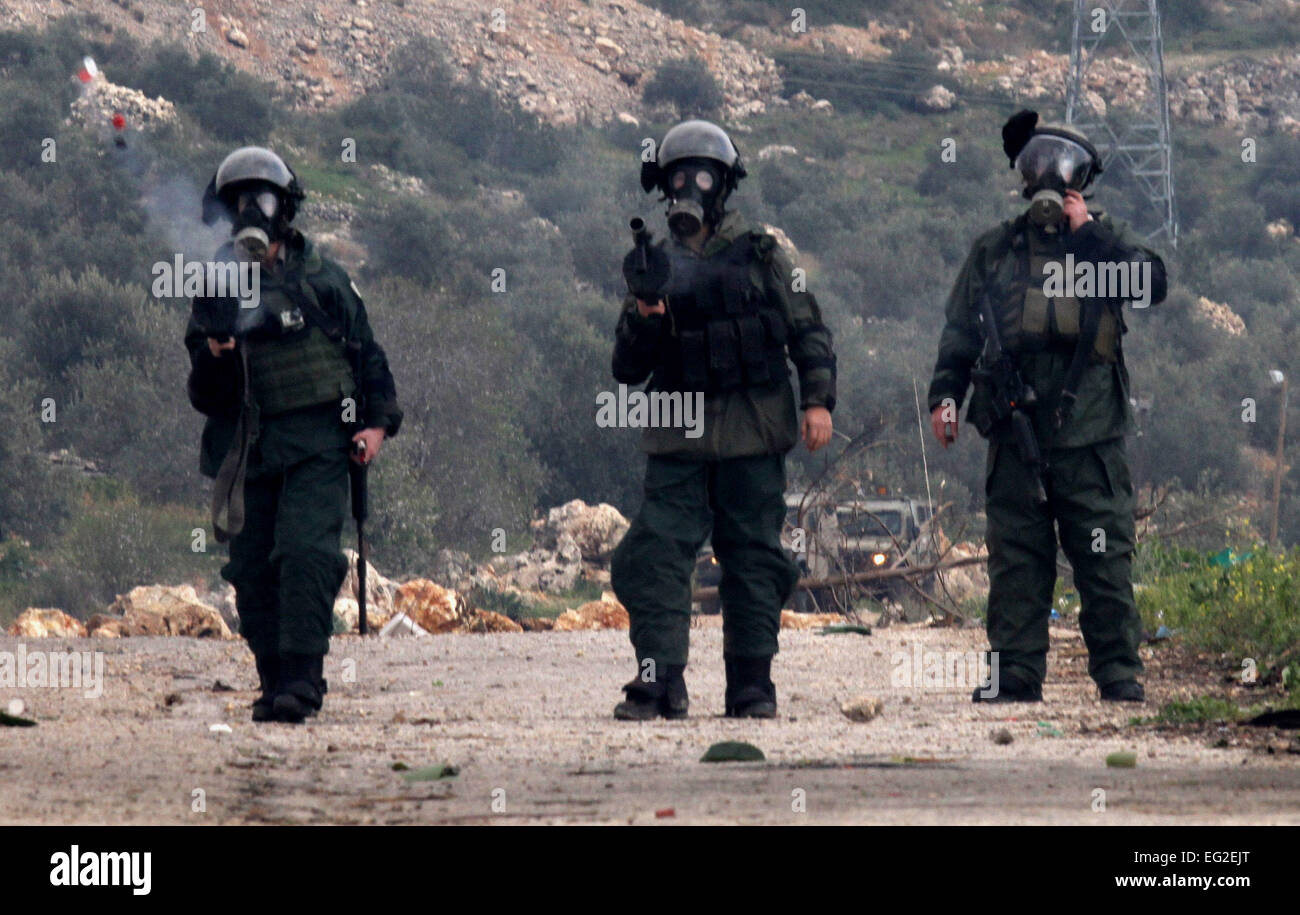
point(113, 544)
point(686, 83)
point(1247, 610)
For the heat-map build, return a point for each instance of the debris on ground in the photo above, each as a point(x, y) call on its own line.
point(862, 708)
point(793, 620)
point(428, 773)
point(844, 628)
point(1125, 759)
point(733, 751)
point(402, 626)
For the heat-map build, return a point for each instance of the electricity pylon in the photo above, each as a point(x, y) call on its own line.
point(1138, 137)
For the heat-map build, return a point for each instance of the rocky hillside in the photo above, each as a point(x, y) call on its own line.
point(573, 61)
point(566, 60)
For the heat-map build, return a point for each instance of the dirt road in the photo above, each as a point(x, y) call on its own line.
point(526, 718)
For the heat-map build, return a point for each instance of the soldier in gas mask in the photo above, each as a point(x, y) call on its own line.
point(723, 322)
point(1067, 348)
point(293, 385)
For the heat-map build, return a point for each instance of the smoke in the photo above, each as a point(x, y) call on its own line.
point(172, 205)
point(172, 202)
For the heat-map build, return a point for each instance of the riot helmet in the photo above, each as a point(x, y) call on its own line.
point(258, 193)
point(697, 166)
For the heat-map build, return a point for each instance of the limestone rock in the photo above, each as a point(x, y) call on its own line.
point(792, 620)
point(541, 569)
point(379, 595)
point(431, 606)
point(608, 47)
point(490, 621)
point(938, 98)
point(46, 623)
point(168, 610)
point(596, 614)
point(596, 529)
point(1220, 317)
point(862, 708)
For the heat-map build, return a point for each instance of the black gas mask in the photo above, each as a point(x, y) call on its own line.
point(1051, 165)
point(695, 189)
point(258, 220)
point(257, 213)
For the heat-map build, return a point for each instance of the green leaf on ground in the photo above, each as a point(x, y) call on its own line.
point(733, 751)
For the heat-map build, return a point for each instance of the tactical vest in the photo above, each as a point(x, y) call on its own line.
point(727, 335)
point(1035, 322)
point(300, 369)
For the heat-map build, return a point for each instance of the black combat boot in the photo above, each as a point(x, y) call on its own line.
point(1010, 689)
point(647, 700)
point(675, 702)
point(1123, 691)
point(750, 691)
point(302, 688)
point(268, 672)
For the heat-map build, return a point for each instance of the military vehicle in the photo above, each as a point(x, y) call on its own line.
point(837, 538)
point(858, 535)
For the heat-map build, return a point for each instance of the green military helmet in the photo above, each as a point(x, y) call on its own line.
point(250, 165)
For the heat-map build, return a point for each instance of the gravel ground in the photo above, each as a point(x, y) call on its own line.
point(526, 718)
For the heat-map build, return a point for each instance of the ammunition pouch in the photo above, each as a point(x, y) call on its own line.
point(728, 336)
point(1034, 322)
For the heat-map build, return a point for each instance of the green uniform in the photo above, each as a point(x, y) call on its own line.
point(1090, 496)
point(736, 313)
point(285, 563)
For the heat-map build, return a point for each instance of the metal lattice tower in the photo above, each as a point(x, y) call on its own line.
point(1138, 138)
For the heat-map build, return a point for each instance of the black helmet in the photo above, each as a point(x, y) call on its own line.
point(245, 166)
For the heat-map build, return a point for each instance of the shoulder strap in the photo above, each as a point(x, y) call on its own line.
point(764, 245)
point(303, 294)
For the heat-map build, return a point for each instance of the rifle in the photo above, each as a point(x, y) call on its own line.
point(646, 267)
point(1009, 396)
point(360, 511)
point(357, 477)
